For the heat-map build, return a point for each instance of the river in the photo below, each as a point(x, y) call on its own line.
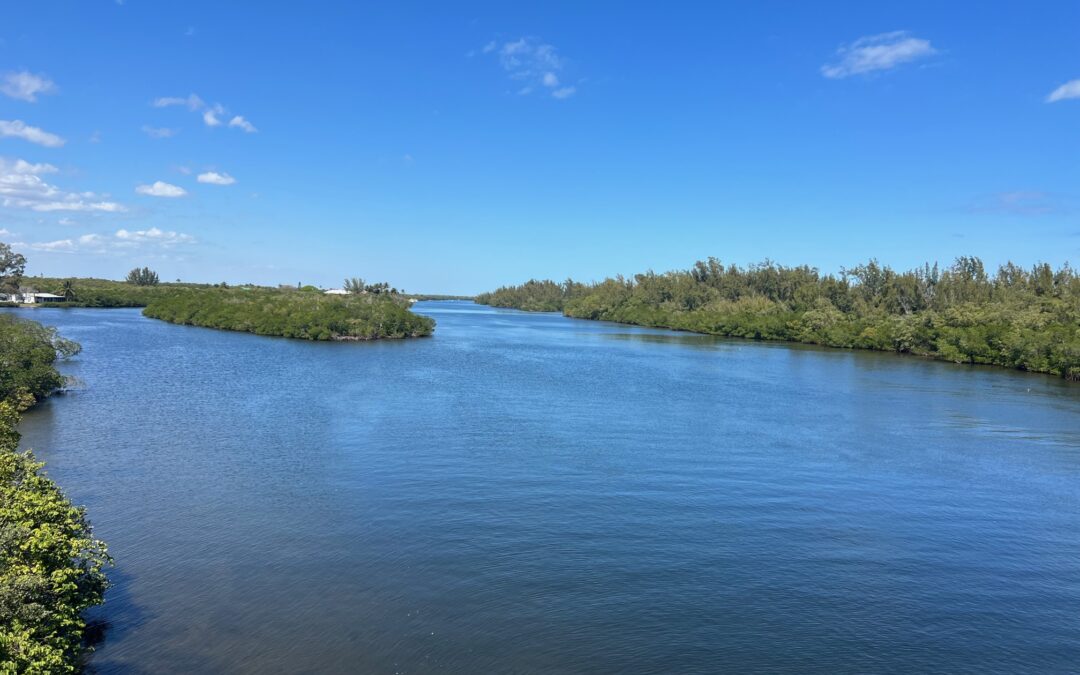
point(529, 493)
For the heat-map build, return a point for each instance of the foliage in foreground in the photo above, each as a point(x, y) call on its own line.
point(1017, 318)
point(309, 315)
point(28, 351)
point(51, 567)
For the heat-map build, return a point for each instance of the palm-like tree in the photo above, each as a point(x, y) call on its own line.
point(67, 289)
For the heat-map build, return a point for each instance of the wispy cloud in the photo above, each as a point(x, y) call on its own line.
point(1070, 89)
point(49, 246)
point(192, 101)
point(241, 123)
point(1022, 203)
point(537, 66)
point(22, 187)
point(26, 86)
point(212, 115)
point(161, 189)
point(875, 53)
point(215, 178)
point(118, 242)
point(159, 132)
point(156, 236)
point(19, 129)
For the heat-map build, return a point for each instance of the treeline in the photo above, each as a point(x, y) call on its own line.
point(535, 296)
point(1026, 318)
point(309, 315)
point(51, 567)
point(87, 292)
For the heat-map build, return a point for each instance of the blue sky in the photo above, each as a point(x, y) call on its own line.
point(457, 148)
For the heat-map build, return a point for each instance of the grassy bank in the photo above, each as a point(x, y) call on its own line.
point(309, 315)
point(51, 567)
point(1027, 319)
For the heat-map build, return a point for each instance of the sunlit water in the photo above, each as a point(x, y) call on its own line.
point(528, 493)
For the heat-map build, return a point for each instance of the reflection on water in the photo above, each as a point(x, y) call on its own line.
point(530, 493)
point(682, 339)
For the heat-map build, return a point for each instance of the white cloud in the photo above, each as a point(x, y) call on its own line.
point(533, 63)
point(19, 129)
point(58, 245)
point(119, 242)
point(215, 178)
point(23, 166)
point(192, 102)
point(21, 186)
point(877, 52)
point(1066, 91)
point(26, 86)
point(210, 115)
point(4, 233)
point(156, 236)
point(66, 221)
point(242, 123)
point(161, 189)
point(159, 132)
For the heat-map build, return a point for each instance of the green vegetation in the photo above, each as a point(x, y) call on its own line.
point(51, 567)
point(1017, 318)
point(356, 286)
point(143, 277)
point(12, 268)
point(437, 296)
point(301, 313)
point(535, 296)
point(86, 292)
point(28, 353)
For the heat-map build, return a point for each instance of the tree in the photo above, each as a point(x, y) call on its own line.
point(142, 277)
point(354, 285)
point(51, 567)
point(67, 289)
point(12, 268)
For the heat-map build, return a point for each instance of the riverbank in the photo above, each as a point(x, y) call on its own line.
point(1021, 319)
point(51, 567)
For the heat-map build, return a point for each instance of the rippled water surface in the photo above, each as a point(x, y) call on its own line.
point(528, 493)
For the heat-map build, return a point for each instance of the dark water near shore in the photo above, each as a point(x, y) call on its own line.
point(527, 493)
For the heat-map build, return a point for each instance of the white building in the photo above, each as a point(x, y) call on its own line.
point(39, 298)
point(336, 291)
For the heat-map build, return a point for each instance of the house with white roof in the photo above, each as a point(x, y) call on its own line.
point(40, 298)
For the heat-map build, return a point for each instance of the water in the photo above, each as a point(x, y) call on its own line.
point(528, 493)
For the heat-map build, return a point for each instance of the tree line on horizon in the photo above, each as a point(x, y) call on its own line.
point(1026, 318)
